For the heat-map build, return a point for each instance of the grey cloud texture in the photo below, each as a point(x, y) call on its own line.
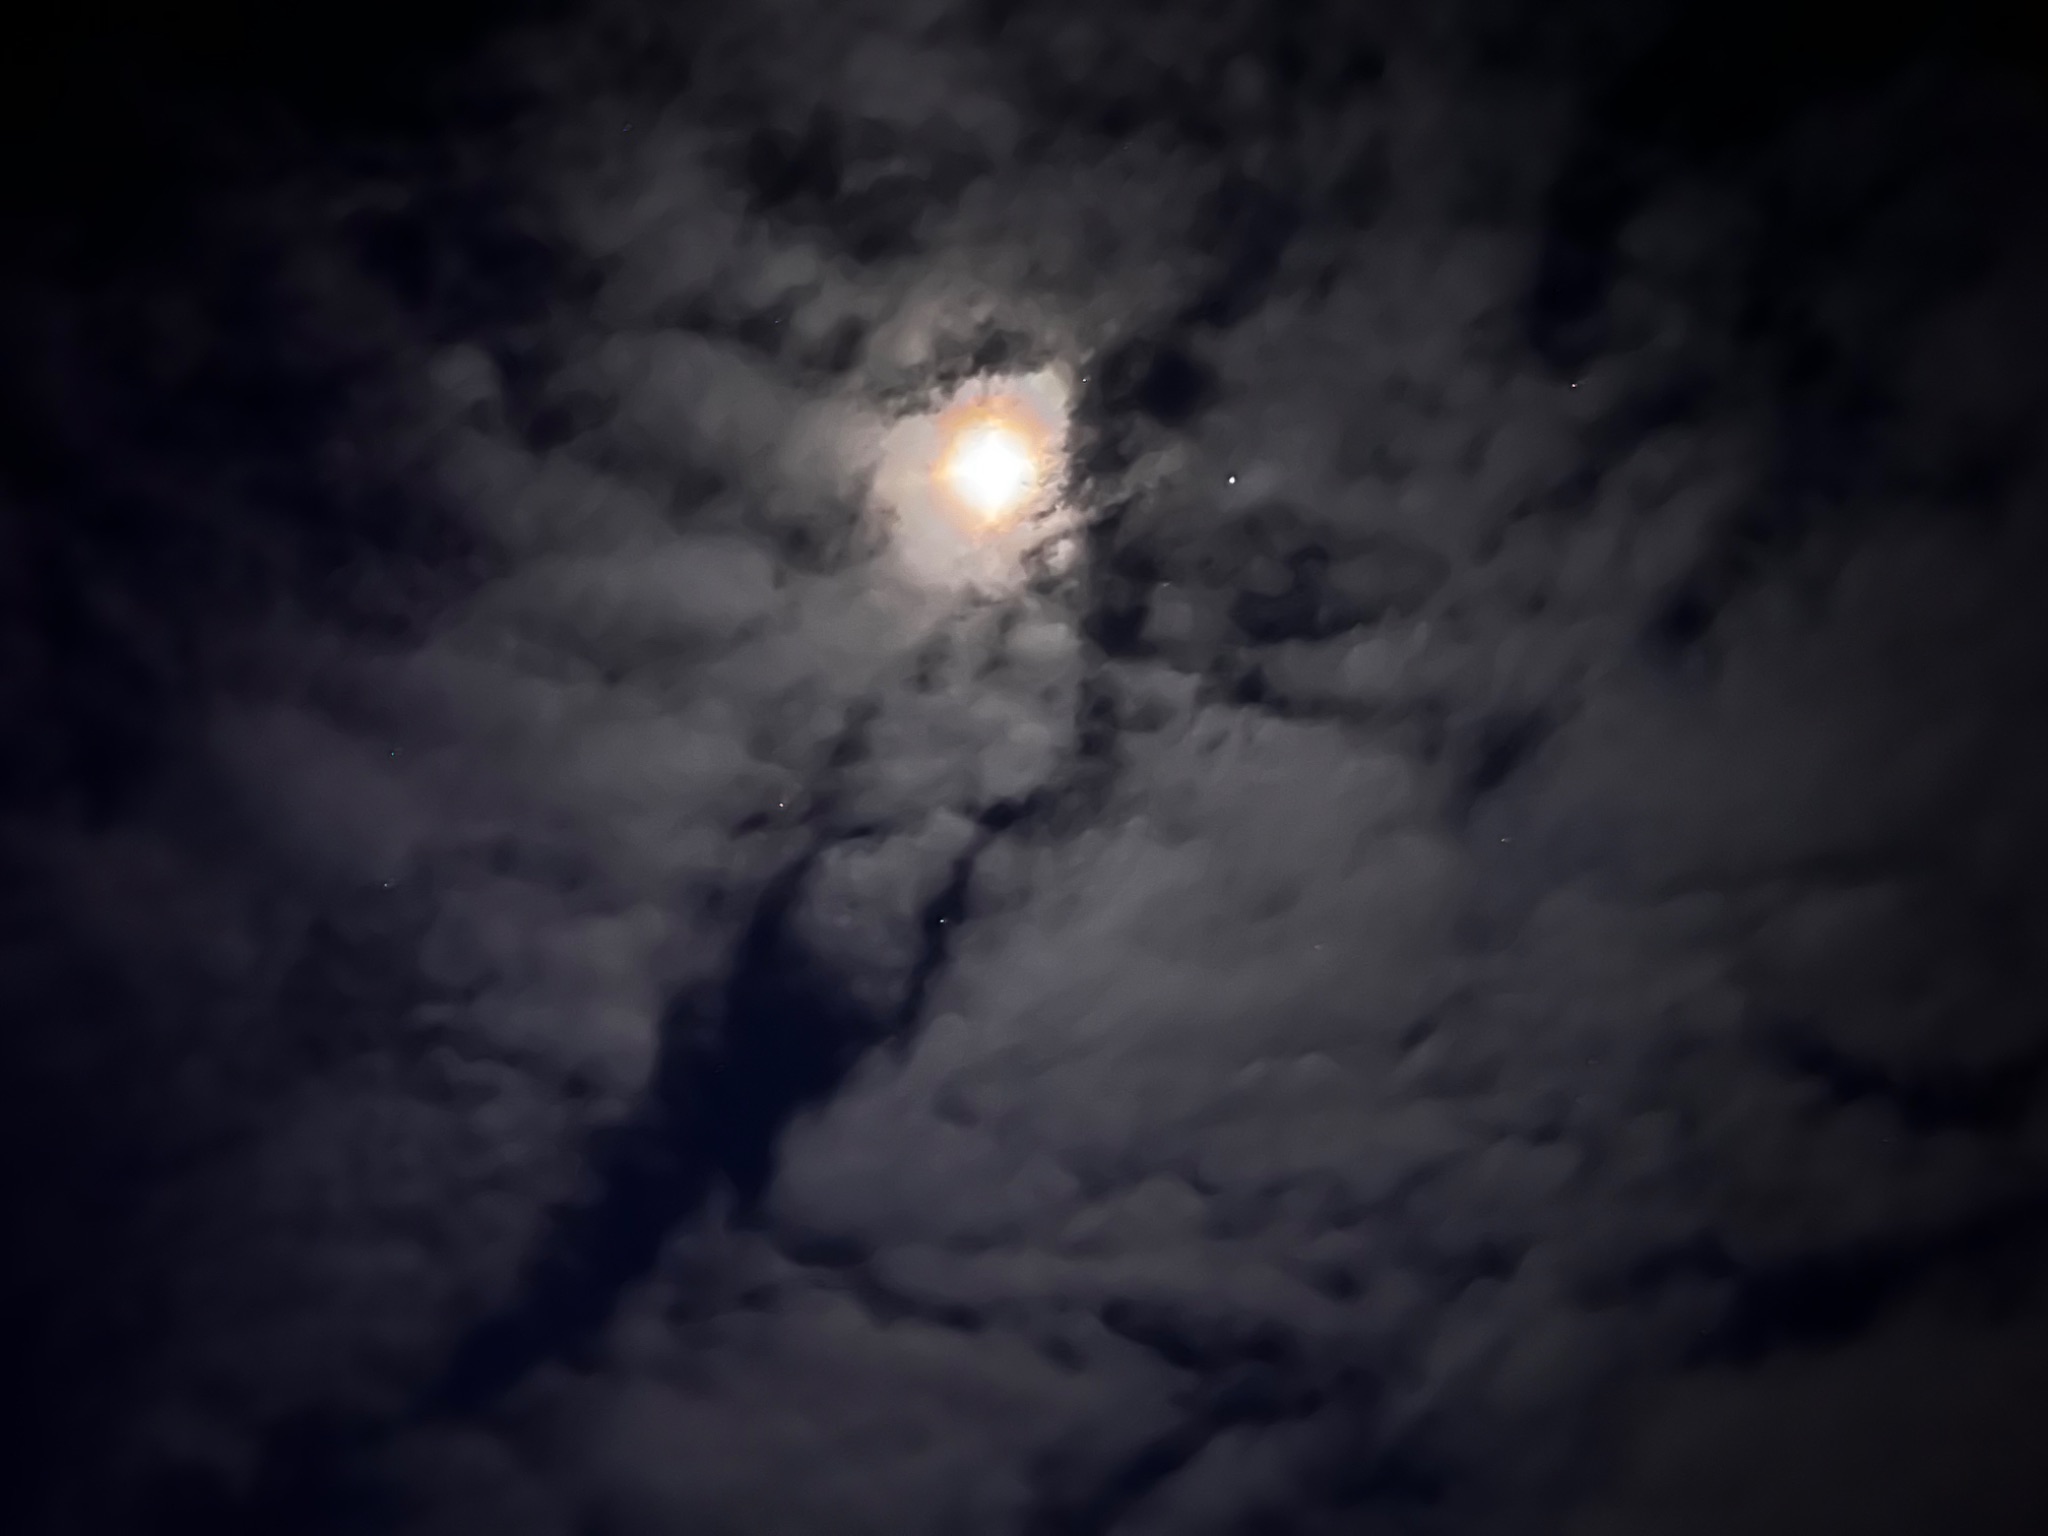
point(1498, 884)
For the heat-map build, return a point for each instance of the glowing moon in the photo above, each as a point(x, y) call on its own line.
point(991, 467)
point(974, 484)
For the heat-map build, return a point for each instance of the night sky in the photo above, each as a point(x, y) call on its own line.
point(1440, 929)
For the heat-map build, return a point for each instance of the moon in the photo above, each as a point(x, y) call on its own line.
point(991, 468)
point(975, 483)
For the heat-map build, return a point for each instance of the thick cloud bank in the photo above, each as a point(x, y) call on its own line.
point(1453, 944)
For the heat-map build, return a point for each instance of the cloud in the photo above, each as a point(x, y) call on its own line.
point(1493, 876)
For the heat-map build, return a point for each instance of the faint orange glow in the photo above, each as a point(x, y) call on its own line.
point(996, 456)
point(975, 483)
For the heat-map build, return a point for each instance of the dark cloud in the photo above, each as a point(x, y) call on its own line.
point(1451, 944)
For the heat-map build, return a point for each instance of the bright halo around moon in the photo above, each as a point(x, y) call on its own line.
point(991, 467)
point(974, 485)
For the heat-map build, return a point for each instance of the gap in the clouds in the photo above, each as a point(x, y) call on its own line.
point(734, 1070)
point(1160, 377)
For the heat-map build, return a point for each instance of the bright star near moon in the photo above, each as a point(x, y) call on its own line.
point(974, 484)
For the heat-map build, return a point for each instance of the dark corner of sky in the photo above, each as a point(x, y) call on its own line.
point(1023, 768)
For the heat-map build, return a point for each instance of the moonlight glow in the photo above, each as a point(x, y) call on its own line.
point(990, 467)
point(973, 485)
